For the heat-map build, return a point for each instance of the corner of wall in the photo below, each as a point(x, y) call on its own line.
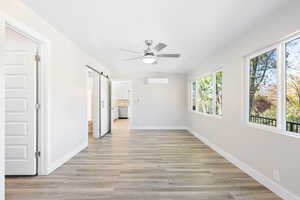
point(58, 163)
point(262, 179)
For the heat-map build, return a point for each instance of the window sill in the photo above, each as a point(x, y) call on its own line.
point(208, 115)
point(272, 129)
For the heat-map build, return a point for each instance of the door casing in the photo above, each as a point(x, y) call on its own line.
point(43, 70)
point(130, 98)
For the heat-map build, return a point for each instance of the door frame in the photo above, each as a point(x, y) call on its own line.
point(94, 103)
point(130, 108)
point(101, 75)
point(42, 91)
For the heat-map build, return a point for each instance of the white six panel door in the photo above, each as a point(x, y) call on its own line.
point(20, 100)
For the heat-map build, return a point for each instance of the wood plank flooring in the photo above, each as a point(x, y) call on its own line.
point(142, 165)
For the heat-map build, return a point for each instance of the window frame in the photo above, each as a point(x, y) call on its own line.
point(281, 87)
point(213, 74)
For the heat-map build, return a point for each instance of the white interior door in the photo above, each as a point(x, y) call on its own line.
point(96, 105)
point(105, 107)
point(20, 105)
point(109, 106)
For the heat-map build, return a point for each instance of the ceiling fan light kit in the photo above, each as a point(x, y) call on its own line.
point(148, 59)
point(150, 55)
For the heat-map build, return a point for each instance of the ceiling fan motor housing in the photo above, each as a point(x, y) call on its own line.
point(149, 54)
point(148, 42)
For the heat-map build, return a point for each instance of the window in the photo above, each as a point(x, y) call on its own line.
point(219, 88)
point(292, 67)
point(205, 91)
point(206, 94)
point(273, 101)
point(263, 88)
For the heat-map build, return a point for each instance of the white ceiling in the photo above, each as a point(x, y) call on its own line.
point(194, 28)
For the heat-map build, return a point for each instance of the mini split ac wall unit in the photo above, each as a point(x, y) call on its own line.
point(157, 81)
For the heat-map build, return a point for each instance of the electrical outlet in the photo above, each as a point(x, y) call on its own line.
point(276, 175)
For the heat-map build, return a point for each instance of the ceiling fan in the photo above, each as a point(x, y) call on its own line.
point(150, 55)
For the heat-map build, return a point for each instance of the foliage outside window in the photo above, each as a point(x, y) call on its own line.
point(292, 66)
point(206, 94)
point(263, 88)
point(266, 98)
point(219, 86)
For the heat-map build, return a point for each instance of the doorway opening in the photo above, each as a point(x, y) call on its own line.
point(98, 104)
point(121, 109)
point(90, 103)
point(21, 78)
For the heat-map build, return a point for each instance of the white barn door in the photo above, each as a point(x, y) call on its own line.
point(105, 106)
point(96, 104)
point(20, 105)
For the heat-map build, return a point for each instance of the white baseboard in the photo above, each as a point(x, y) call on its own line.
point(66, 157)
point(262, 179)
point(159, 127)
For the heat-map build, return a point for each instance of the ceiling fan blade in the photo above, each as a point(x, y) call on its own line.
point(160, 46)
point(130, 51)
point(174, 55)
point(134, 58)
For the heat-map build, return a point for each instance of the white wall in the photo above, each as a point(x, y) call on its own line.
point(1, 112)
point(261, 150)
point(120, 90)
point(66, 92)
point(89, 96)
point(159, 105)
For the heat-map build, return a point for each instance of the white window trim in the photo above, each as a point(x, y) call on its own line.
point(213, 74)
point(247, 88)
point(281, 88)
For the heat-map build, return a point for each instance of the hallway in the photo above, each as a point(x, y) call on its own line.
point(142, 165)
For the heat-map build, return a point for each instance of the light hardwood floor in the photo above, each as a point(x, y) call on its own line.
point(142, 165)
